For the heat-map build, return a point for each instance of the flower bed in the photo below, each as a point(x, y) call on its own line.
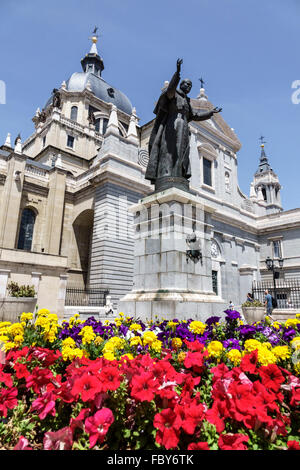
point(129, 385)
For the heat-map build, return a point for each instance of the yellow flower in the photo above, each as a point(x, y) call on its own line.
point(70, 353)
point(266, 357)
point(176, 343)
point(181, 356)
point(197, 327)
point(98, 340)
point(149, 337)
point(156, 345)
point(135, 341)
point(234, 356)
point(68, 342)
point(109, 355)
point(9, 345)
point(292, 322)
point(127, 356)
point(276, 325)
point(87, 334)
point(25, 317)
point(3, 338)
point(281, 352)
point(251, 344)
point(135, 327)
point(18, 339)
point(43, 312)
point(215, 349)
point(172, 324)
point(15, 329)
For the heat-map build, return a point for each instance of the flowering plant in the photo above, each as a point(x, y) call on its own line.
point(128, 384)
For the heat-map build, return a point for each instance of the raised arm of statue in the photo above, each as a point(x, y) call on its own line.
point(174, 81)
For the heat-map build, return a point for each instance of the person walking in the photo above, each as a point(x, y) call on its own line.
point(268, 304)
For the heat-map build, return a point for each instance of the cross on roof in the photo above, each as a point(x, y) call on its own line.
point(262, 141)
point(201, 81)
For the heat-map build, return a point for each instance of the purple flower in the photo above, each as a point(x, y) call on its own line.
point(232, 315)
point(211, 320)
point(231, 343)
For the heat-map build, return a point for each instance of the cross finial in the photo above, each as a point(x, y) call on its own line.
point(201, 81)
point(262, 140)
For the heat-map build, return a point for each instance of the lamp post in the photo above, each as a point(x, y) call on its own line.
point(271, 266)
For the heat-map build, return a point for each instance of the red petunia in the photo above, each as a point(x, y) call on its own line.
point(215, 415)
point(195, 361)
point(6, 378)
point(21, 370)
point(143, 387)
point(166, 435)
point(39, 378)
point(110, 378)
point(22, 444)
point(59, 440)
point(293, 445)
point(198, 446)
point(295, 399)
point(8, 400)
point(271, 377)
point(77, 423)
point(44, 405)
point(98, 425)
point(249, 362)
point(87, 386)
point(233, 441)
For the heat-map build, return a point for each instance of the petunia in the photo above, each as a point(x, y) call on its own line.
point(59, 440)
point(98, 425)
point(44, 405)
point(198, 446)
point(233, 441)
point(22, 444)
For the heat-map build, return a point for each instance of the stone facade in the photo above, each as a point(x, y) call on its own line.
point(65, 194)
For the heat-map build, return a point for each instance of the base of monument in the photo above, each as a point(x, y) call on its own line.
point(166, 182)
point(152, 305)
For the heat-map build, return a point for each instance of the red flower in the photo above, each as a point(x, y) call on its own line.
point(271, 377)
point(44, 405)
point(233, 441)
point(293, 445)
point(6, 378)
point(143, 387)
point(216, 416)
point(46, 356)
point(295, 400)
point(21, 370)
point(195, 361)
point(22, 444)
point(110, 378)
point(97, 426)
point(8, 400)
point(87, 385)
point(198, 446)
point(38, 379)
point(249, 362)
point(77, 423)
point(166, 435)
point(59, 440)
point(193, 417)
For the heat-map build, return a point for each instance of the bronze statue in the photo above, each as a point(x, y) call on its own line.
point(169, 163)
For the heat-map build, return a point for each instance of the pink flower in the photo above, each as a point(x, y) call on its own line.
point(59, 440)
point(97, 426)
point(22, 444)
point(44, 405)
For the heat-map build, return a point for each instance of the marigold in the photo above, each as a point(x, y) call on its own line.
point(197, 327)
point(149, 337)
point(26, 316)
point(234, 356)
point(215, 349)
point(281, 352)
point(135, 341)
point(251, 344)
point(176, 343)
point(135, 327)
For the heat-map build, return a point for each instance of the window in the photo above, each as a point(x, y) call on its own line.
point(44, 141)
point(207, 179)
point(74, 112)
point(101, 125)
point(276, 249)
point(214, 276)
point(70, 141)
point(227, 181)
point(264, 193)
point(26, 230)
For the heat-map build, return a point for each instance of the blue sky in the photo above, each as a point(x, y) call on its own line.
point(246, 51)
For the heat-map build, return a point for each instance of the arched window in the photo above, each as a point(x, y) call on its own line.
point(74, 112)
point(26, 230)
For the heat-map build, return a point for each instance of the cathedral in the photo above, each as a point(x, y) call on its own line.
point(65, 193)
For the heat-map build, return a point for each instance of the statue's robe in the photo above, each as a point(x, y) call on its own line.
point(169, 146)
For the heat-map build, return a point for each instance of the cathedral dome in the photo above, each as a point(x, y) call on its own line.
point(90, 78)
point(101, 89)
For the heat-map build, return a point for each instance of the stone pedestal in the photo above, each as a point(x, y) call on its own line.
point(173, 267)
